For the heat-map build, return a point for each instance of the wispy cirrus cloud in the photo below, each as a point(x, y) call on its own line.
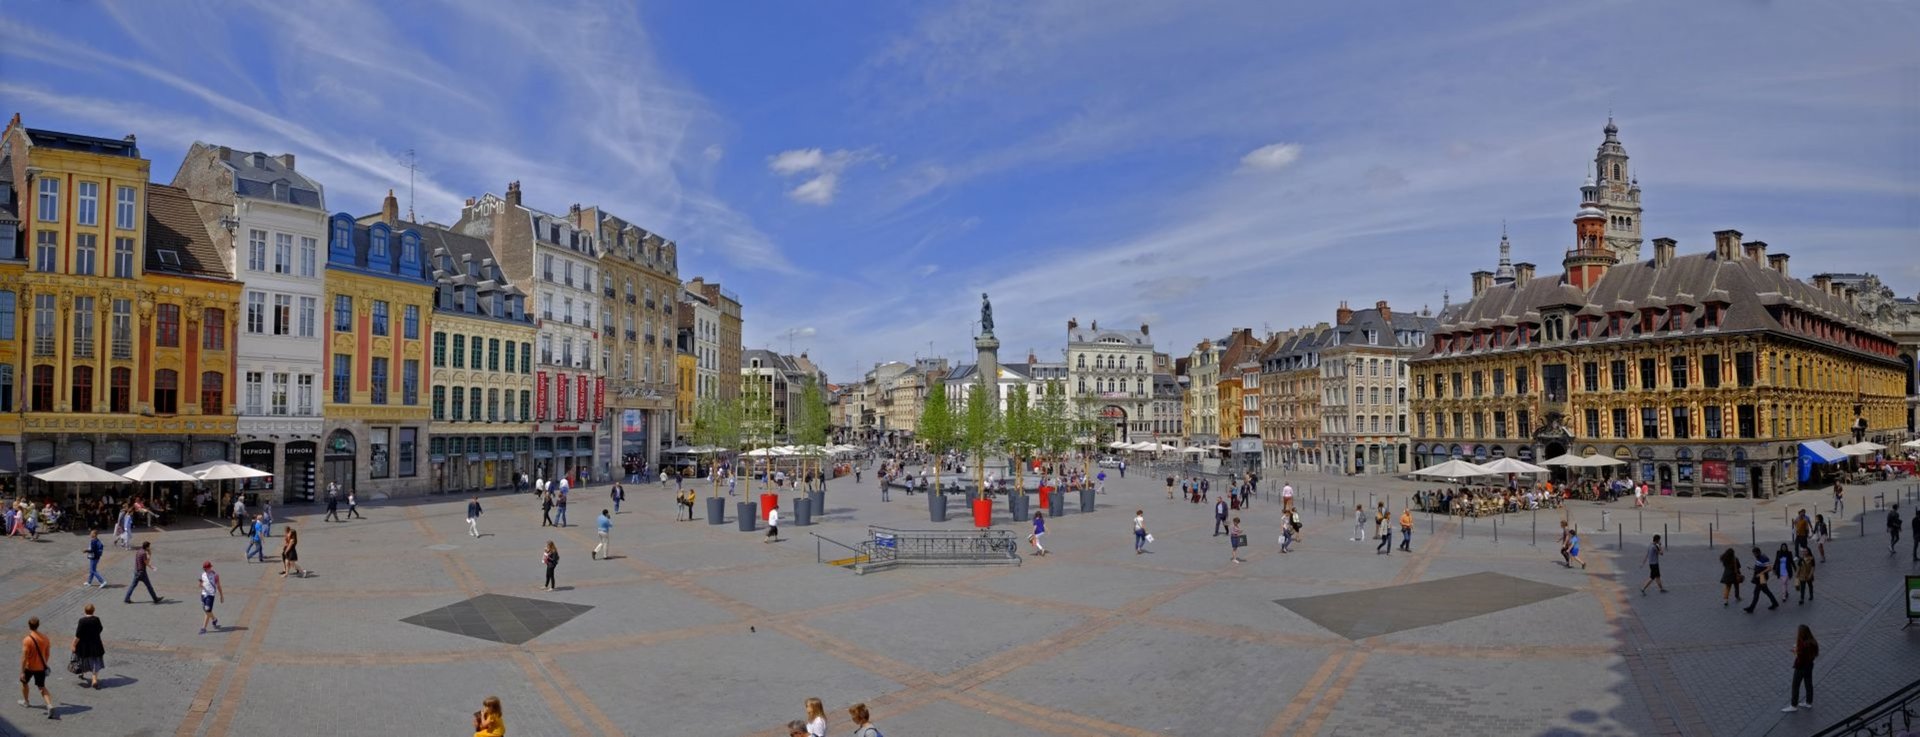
point(821, 171)
point(1271, 157)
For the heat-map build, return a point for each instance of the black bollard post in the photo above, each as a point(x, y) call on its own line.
point(1536, 529)
point(1642, 512)
point(1620, 534)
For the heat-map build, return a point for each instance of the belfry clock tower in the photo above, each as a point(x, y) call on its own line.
point(1614, 189)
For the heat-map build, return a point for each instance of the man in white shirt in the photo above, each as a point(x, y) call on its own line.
point(773, 525)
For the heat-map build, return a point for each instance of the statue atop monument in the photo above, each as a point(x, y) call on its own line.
point(986, 315)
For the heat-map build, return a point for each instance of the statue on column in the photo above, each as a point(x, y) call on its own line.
point(986, 315)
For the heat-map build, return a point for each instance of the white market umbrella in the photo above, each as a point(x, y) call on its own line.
point(1564, 459)
point(222, 471)
point(1862, 449)
point(151, 471)
point(78, 472)
point(1597, 461)
point(1512, 465)
point(1120, 445)
point(1911, 444)
point(1193, 450)
point(682, 450)
point(1453, 469)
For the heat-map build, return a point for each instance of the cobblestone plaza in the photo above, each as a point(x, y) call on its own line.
point(691, 629)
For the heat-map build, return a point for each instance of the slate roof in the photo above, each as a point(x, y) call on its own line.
point(1089, 335)
point(438, 241)
point(1295, 349)
point(83, 143)
point(255, 174)
point(1353, 331)
point(178, 241)
point(1747, 288)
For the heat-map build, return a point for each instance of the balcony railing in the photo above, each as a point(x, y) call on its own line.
point(609, 292)
point(632, 299)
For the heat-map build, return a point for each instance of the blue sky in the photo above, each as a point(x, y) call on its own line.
point(860, 172)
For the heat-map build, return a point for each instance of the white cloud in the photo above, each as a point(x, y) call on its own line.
point(1271, 157)
point(825, 168)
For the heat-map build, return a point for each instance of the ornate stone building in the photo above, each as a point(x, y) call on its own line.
point(1290, 375)
point(482, 368)
point(1110, 377)
point(640, 293)
point(378, 299)
point(1708, 373)
point(1898, 317)
point(1363, 374)
point(1203, 393)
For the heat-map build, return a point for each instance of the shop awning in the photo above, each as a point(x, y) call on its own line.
point(1819, 451)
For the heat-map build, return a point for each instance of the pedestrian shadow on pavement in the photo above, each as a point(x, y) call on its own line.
point(114, 681)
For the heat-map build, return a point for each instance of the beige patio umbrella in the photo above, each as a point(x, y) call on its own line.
point(76, 473)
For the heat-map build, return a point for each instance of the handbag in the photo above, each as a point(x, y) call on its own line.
point(74, 665)
point(1149, 537)
point(1239, 541)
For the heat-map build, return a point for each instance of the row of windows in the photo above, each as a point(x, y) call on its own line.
point(281, 319)
point(1105, 386)
point(467, 405)
point(490, 349)
point(281, 260)
point(46, 316)
point(87, 204)
point(1110, 362)
point(1365, 367)
point(85, 260)
point(268, 394)
point(1373, 396)
point(1676, 370)
point(1554, 329)
point(1654, 423)
point(1364, 423)
point(119, 397)
point(380, 322)
point(377, 380)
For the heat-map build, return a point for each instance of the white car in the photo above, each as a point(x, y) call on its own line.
point(1107, 462)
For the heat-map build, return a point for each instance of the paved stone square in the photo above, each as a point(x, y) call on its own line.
point(695, 629)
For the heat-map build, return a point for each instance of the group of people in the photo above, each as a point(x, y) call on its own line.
point(1477, 501)
point(815, 724)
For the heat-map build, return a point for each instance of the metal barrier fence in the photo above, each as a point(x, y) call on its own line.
point(887, 547)
point(1893, 715)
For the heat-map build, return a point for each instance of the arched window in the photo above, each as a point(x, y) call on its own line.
point(213, 393)
point(1081, 362)
point(1616, 171)
point(82, 389)
point(120, 390)
point(166, 392)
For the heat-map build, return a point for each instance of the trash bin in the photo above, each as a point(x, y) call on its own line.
point(819, 499)
point(937, 507)
point(749, 514)
point(972, 494)
point(1018, 508)
point(1086, 500)
point(716, 510)
point(803, 511)
point(983, 513)
point(1057, 505)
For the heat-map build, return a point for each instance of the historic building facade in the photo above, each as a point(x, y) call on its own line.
point(1290, 378)
point(482, 368)
point(379, 296)
point(1363, 374)
point(1203, 394)
point(268, 221)
point(560, 265)
point(727, 368)
point(640, 295)
point(1110, 376)
point(127, 306)
point(1708, 373)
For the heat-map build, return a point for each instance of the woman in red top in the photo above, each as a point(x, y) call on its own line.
point(1805, 649)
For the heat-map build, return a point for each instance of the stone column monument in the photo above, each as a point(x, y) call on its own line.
point(988, 359)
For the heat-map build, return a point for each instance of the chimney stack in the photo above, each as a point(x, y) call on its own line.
point(1778, 262)
point(390, 209)
point(513, 192)
point(1757, 250)
point(1663, 252)
point(226, 153)
point(1726, 244)
point(1522, 272)
point(1342, 315)
point(1386, 313)
point(1093, 324)
point(286, 160)
point(1849, 295)
point(1482, 280)
point(1143, 329)
point(1073, 323)
point(1823, 282)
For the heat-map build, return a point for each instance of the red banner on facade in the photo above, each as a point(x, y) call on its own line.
point(599, 397)
point(540, 397)
point(585, 403)
point(563, 400)
point(1714, 471)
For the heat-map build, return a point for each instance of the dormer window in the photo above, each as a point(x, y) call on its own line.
point(340, 247)
point(378, 248)
point(1556, 328)
point(410, 252)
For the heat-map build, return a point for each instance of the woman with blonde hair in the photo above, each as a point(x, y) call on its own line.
point(551, 558)
point(488, 721)
point(816, 718)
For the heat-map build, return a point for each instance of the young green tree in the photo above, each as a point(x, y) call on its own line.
point(980, 429)
point(1022, 430)
point(1054, 418)
point(716, 424)
point(814, 422)
point(757, 421)
point(938, 429)
point(1086, 430)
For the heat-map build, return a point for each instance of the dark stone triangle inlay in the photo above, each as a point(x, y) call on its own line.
point(497, 618)
point(1358, 615)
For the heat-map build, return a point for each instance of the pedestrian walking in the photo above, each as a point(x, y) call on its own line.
point(1654, 552)
point(1803, 578)
point(473, 516)
point(142, 567)
point(1729, 576)
point(1761, 567)
point(1359, 523)
point(603, 527)
point(560, 506)
point(210, 589)
point(1802, 531)
point(1039, 530)
point(353, 506)
point(125, 538)
point(550, 557)
point(685, 500)
point(1783, 568)
point(773, 525)
point(1286, 497)
point(253, 541)
point(88, 648)
point(816, 718)
point(1573, 548)
point(1893, 529)
point(290, 554)
point(333, 505)
point(489, 721)
point(239, 515)
point(266, 516)
point(546, 508)
point(36, 651)
point(619, 494)
point(1839, 499)
point(1406, 530)
point(1140, 536)
point(862, 721)
point(1235, 539)
point(1805, 650)
point(1219, 515)
point(1287, 532)
point(1821, 535)
point(1382, 530)
point(94, 551)
point(1916, 535)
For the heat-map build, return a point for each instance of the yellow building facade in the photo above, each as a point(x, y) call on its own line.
point(481, 368)
point(379, 298)
point(124, 311)
point(640, 296)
